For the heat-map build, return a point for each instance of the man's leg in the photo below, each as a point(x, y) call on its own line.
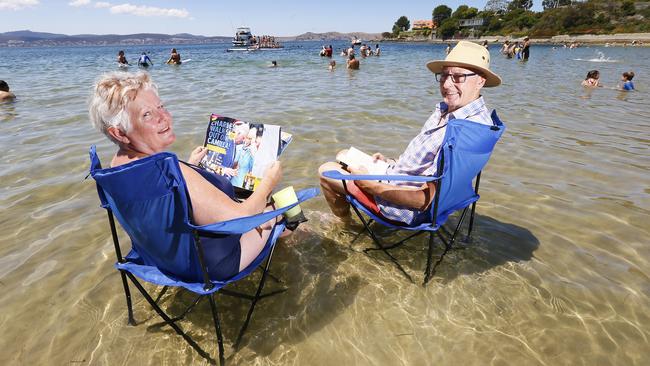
point(334, 191)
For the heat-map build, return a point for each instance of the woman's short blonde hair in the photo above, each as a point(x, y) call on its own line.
point(111, 96)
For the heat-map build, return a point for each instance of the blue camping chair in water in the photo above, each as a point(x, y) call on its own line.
point(465, 150)
point(149, 197)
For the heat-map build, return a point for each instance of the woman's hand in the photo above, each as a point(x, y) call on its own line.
point(197, 154)
point(273, 174)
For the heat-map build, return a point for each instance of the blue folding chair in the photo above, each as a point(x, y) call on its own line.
point(465, 150)
point(149, 197)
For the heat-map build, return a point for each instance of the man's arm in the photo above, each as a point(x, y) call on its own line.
point(418, 198)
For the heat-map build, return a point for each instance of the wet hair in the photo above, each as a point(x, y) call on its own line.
point(628, 75)
point(332, 63)
point(275, 63)
point(4, 86)
point(593, 74)
point(351, 57)
point(111, 96)
point(121, 53)
point(173, 50)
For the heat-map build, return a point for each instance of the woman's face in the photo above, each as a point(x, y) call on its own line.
point(151, 124)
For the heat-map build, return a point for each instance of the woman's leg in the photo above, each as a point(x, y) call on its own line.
point(252, 244)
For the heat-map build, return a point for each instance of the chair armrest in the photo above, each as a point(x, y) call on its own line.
point(335, 174)
point(242, 225)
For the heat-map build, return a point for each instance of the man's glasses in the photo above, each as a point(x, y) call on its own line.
point(456, 78)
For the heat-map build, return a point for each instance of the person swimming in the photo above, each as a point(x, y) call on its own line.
point(592, 79)
point(5, 94)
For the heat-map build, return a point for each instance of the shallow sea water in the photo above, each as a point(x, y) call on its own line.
point(557, 272)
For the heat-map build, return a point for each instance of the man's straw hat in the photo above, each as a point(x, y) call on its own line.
point(471, 56)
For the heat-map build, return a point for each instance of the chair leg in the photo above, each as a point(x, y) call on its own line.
point(468, 238)
point(255, 299)
point(378, 243)
point(127, 293)
point(427, 271)
point(167, 319)
point(217, 328)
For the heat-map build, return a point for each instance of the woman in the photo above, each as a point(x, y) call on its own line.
point(174, 58)
point(127, 109)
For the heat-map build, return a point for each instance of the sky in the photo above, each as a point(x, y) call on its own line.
point(215, 17)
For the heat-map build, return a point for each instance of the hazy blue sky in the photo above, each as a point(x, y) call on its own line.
point(214, 17)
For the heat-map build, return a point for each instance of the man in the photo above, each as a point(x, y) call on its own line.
point(525, 52)
point(461, 76)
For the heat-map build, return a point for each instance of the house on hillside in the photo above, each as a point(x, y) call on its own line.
point(423, 24)
point(473, 24)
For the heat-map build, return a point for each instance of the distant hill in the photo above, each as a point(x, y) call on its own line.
point(334, 36)
point(26, 38)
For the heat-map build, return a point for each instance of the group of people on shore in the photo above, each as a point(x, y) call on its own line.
point(592, 80)
point(145, 61)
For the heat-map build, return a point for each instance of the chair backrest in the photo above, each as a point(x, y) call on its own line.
point(466, 149)
point(148, 197)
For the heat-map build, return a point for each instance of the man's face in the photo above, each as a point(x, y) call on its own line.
point(458, 95)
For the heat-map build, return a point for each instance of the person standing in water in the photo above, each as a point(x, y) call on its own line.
point(144, 60)
point(121, 59)
point(525, 52)
point(174, 58)
point(626, 81)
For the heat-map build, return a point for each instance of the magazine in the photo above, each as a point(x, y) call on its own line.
point(356, 157)
point(242, 151)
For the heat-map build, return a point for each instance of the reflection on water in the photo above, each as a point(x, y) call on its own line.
point(556, 273)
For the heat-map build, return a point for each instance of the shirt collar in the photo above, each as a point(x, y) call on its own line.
point(463, 112)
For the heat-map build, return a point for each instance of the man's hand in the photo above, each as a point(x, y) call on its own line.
point(197, 154)
point(380, 156)
point(364, 185)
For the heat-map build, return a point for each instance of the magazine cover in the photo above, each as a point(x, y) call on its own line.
point(242, 151)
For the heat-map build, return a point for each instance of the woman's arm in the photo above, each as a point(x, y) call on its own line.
point(211, 205)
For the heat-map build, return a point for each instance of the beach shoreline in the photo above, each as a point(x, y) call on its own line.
point(618, 39)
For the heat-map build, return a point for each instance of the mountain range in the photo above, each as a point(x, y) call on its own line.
point(26, 38)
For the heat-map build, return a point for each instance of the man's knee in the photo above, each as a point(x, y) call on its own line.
point(327, 167)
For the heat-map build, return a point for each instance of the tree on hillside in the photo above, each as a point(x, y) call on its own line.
point(440, 13)
point(464, 12)
point(627, 8)
point(448, 28)
point(499, 6)
point(520, 4)
point(402, 24)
